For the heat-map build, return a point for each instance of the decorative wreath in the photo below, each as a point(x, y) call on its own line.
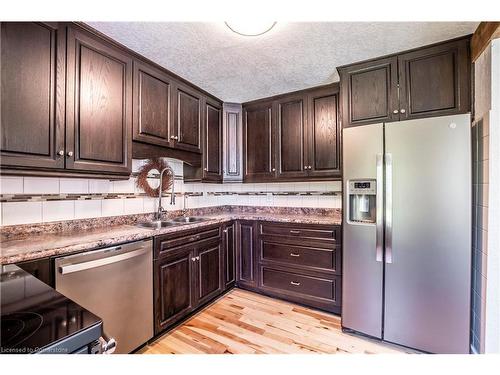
point(152, 164)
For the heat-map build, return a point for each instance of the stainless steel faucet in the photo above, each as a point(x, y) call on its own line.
point(172, 197)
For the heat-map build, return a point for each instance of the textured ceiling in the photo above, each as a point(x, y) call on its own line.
point(292, 56)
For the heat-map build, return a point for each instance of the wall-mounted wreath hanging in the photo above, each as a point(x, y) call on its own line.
point(154, 167)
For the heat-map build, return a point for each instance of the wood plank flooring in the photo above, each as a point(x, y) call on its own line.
point(243, 322)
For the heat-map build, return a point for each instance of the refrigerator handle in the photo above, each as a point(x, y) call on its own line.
point(388, 208)
point(379, 209)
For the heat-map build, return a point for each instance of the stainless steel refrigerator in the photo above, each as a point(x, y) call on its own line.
point(407, 232)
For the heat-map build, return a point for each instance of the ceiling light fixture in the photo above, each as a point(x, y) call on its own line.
point(250, 28)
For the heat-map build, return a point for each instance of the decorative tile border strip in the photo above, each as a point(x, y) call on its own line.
point(73, 197)
point(284, 193)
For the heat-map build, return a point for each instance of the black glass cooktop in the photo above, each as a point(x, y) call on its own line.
point(35, 318)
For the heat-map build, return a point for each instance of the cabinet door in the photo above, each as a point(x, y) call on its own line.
point(435, 81)
point(152, 107)
point(246, 254)
point(229, 246)
point(212, 142)
point(232, 142)
point(369, 92)
point(209, 272)
point(99, 110)
point(32, 94)
point(187, 124)
point(258, 143)
point(291, 144)
point(324, 133)
point(174, 282)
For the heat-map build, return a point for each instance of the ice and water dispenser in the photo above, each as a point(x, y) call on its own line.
point(362, 201)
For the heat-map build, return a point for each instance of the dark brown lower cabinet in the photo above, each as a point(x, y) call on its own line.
point(301, 263)
point(246, 254)
point(229, 247)
point(188, 272)
point(208, 263)
point(174, 281)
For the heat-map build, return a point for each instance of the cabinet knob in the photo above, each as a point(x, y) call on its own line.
point(225, 230)
point(60, 152)
point(198, 257)
point(70, 153)
point(295, 283)
point(403, 110)
point(395, 111)
point(193, 259)
point(274, 169)
point(176, 138)
point(205, 169)
point(310, 167)
point(172, 137)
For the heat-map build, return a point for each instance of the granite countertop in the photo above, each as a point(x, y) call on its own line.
point(36, 246)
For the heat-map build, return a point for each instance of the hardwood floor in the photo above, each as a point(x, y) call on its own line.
point(242, 322)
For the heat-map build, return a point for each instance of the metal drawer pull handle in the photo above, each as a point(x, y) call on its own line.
point(294, 231)
point(194, 238)
point(294, 283)
point(294, 255)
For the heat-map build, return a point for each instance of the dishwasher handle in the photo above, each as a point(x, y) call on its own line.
point(71, 268)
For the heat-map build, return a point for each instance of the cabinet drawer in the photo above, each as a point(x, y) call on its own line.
point(302, 256)
point(307, 286)
point(301, 232)
point(166, 242)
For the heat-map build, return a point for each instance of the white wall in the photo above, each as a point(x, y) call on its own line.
point(492, 328)
point(38, 209)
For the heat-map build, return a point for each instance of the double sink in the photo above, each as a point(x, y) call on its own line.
point(158, 224)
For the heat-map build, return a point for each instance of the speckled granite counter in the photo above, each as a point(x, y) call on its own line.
point(41, 243)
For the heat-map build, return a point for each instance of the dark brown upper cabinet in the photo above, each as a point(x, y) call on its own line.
point(291, 145)
point(258, 149)
point(293, 137)
point(152, 105)
point(435, 81)
point(212, 141)
point(369, 92)
point(323, 133)
point(99, 105)
point(425, 82)
point(188, 119)
point(32, 94)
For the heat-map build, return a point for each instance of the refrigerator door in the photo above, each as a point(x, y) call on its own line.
point(362, 264)
point(428, 240)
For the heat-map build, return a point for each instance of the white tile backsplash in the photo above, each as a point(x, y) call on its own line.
point(41, 185)
point(58, 210)
point(85, 209)
point(112, 207)
point(21, 213)
point(133, 206)
point(11, 185)
point(74, 186)
point(33, 212)
point(125, 186)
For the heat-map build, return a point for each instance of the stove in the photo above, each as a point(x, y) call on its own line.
point(37, 319)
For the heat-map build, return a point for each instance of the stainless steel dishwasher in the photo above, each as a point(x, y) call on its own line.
point(116, 284)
